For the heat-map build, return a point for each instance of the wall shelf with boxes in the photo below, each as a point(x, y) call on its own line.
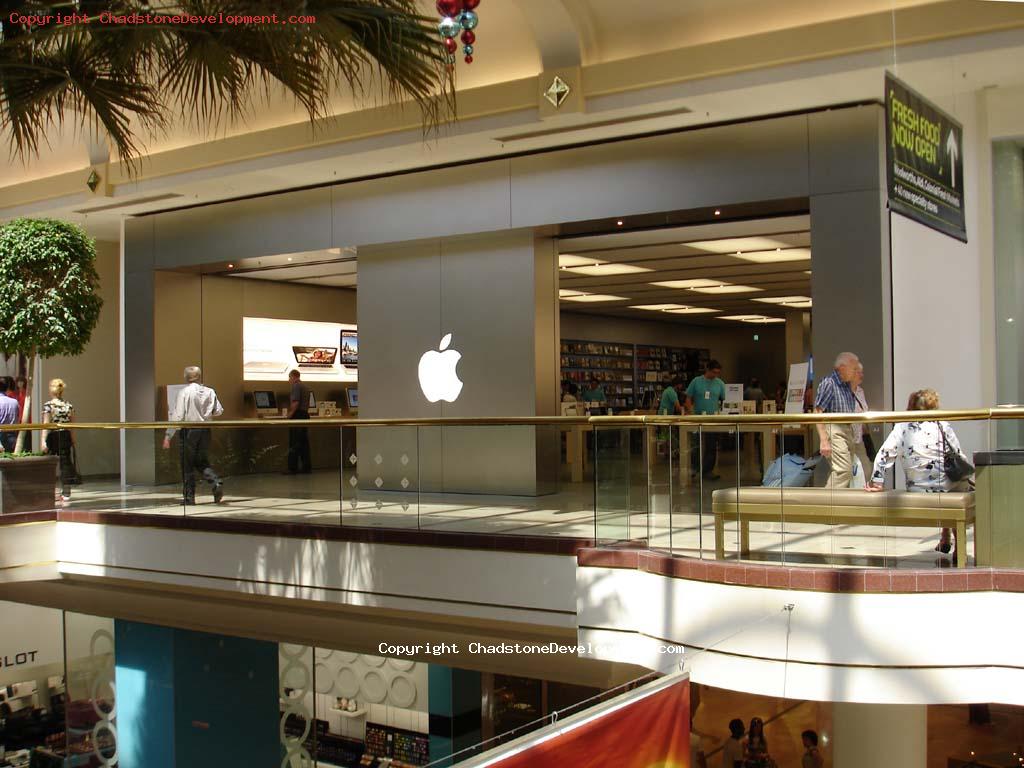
point(656, 365)
point(633, 375)
point(610, 363)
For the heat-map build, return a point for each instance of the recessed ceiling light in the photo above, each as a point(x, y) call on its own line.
point(741, 318)
point(726, 288)
point(658, 307)
point(785, 299)
point(569, 260)
point(588, 297)
point(765, 320)
point(807, 271)
point(717, 212)
point(603, 270)
point(618, 223)
point(778, 255)
point(733, 244)
point(565, 293)
point(693, 311)
point(289, 258)
point(231, 266)
point(698, 282)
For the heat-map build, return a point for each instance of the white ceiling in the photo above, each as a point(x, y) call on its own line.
point(684, 254)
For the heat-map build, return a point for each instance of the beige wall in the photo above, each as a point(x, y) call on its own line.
point(741, 357)
point(93, 377)
point(198, 321)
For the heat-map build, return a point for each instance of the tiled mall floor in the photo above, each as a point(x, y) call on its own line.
point(677, 526)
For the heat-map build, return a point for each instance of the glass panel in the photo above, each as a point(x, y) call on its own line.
point(299, 727)
point(92, 737)
point(621, 480)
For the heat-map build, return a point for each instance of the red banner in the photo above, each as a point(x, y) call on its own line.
point(654, 732)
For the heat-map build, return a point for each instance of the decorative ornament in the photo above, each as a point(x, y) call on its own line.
point(449, 27)
point(557, 92)
point(458, 19)
point(93, 181)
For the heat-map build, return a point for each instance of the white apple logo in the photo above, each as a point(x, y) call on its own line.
point(438, 378)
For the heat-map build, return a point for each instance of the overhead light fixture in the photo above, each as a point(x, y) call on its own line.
point(590, 297)
point(807, 271)
point(734, 244)
point(604, 270)
point(717, 212)
point(571, 260)
point(618, 223)
point(231, 266)
point(776, 256)
point(564, 293)
point(726, 288)
point(693, 311)
point(658, 307)
point(785, 300)
point(752, 318)
point(698, 282)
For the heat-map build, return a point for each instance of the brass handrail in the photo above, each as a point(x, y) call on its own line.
point(745, 420)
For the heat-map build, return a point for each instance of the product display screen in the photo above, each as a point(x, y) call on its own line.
point(349, 348)
point(265, 399)
point(272, 347)
point(353, 397)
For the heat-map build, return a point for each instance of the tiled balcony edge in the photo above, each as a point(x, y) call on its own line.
point(19, 518)
point(541, 545)
point(803, 578)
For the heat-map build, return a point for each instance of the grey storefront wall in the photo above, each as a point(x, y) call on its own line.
point(455, 250)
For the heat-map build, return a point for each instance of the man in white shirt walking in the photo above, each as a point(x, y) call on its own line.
point(198, 403)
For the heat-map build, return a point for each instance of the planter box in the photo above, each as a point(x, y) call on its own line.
point(27, 484)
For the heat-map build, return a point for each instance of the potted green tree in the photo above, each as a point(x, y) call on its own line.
point(49, 306)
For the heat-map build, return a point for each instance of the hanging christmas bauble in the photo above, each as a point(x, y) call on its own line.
point(468, 20)
point(469, 37)
point(449, 7)
point(469, 5)
point(451, 44)
point(468, 50)
point(469, 59)
point(449, 27)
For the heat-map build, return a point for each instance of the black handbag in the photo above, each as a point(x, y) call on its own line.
point(956, 467)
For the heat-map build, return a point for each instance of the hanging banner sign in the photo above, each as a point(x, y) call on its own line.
point(652, 732)
point(924, 160)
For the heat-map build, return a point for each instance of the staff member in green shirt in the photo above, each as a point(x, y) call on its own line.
point(595, 394)
point(704, 396)
point(670, 404)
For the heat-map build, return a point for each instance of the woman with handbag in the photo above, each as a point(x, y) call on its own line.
point(60, 442)
point(930, 455)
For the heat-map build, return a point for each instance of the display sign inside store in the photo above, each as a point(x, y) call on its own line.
point(924, 160)
point(319, 351)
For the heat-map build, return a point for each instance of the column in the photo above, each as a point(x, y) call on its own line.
point(192, 698)
point(455, 714)
point(879, 735)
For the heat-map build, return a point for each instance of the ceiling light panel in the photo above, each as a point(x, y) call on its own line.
point(693, 311)
point(726, 288)
point(570, 260)
point(764, 320)
point(590, 297)
point(564, 293)
point(734, 244)
point(606, 270)
point(658, 307)
point(689, 284)
point(741, 318)
point(776, 256)
point(785, 299)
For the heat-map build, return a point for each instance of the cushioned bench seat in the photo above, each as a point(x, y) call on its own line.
point(841, 506)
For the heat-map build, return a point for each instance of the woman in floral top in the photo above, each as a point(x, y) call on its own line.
point(59, 442)
point(920, 447)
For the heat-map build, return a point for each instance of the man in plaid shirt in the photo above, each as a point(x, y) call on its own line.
point(835, 395)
